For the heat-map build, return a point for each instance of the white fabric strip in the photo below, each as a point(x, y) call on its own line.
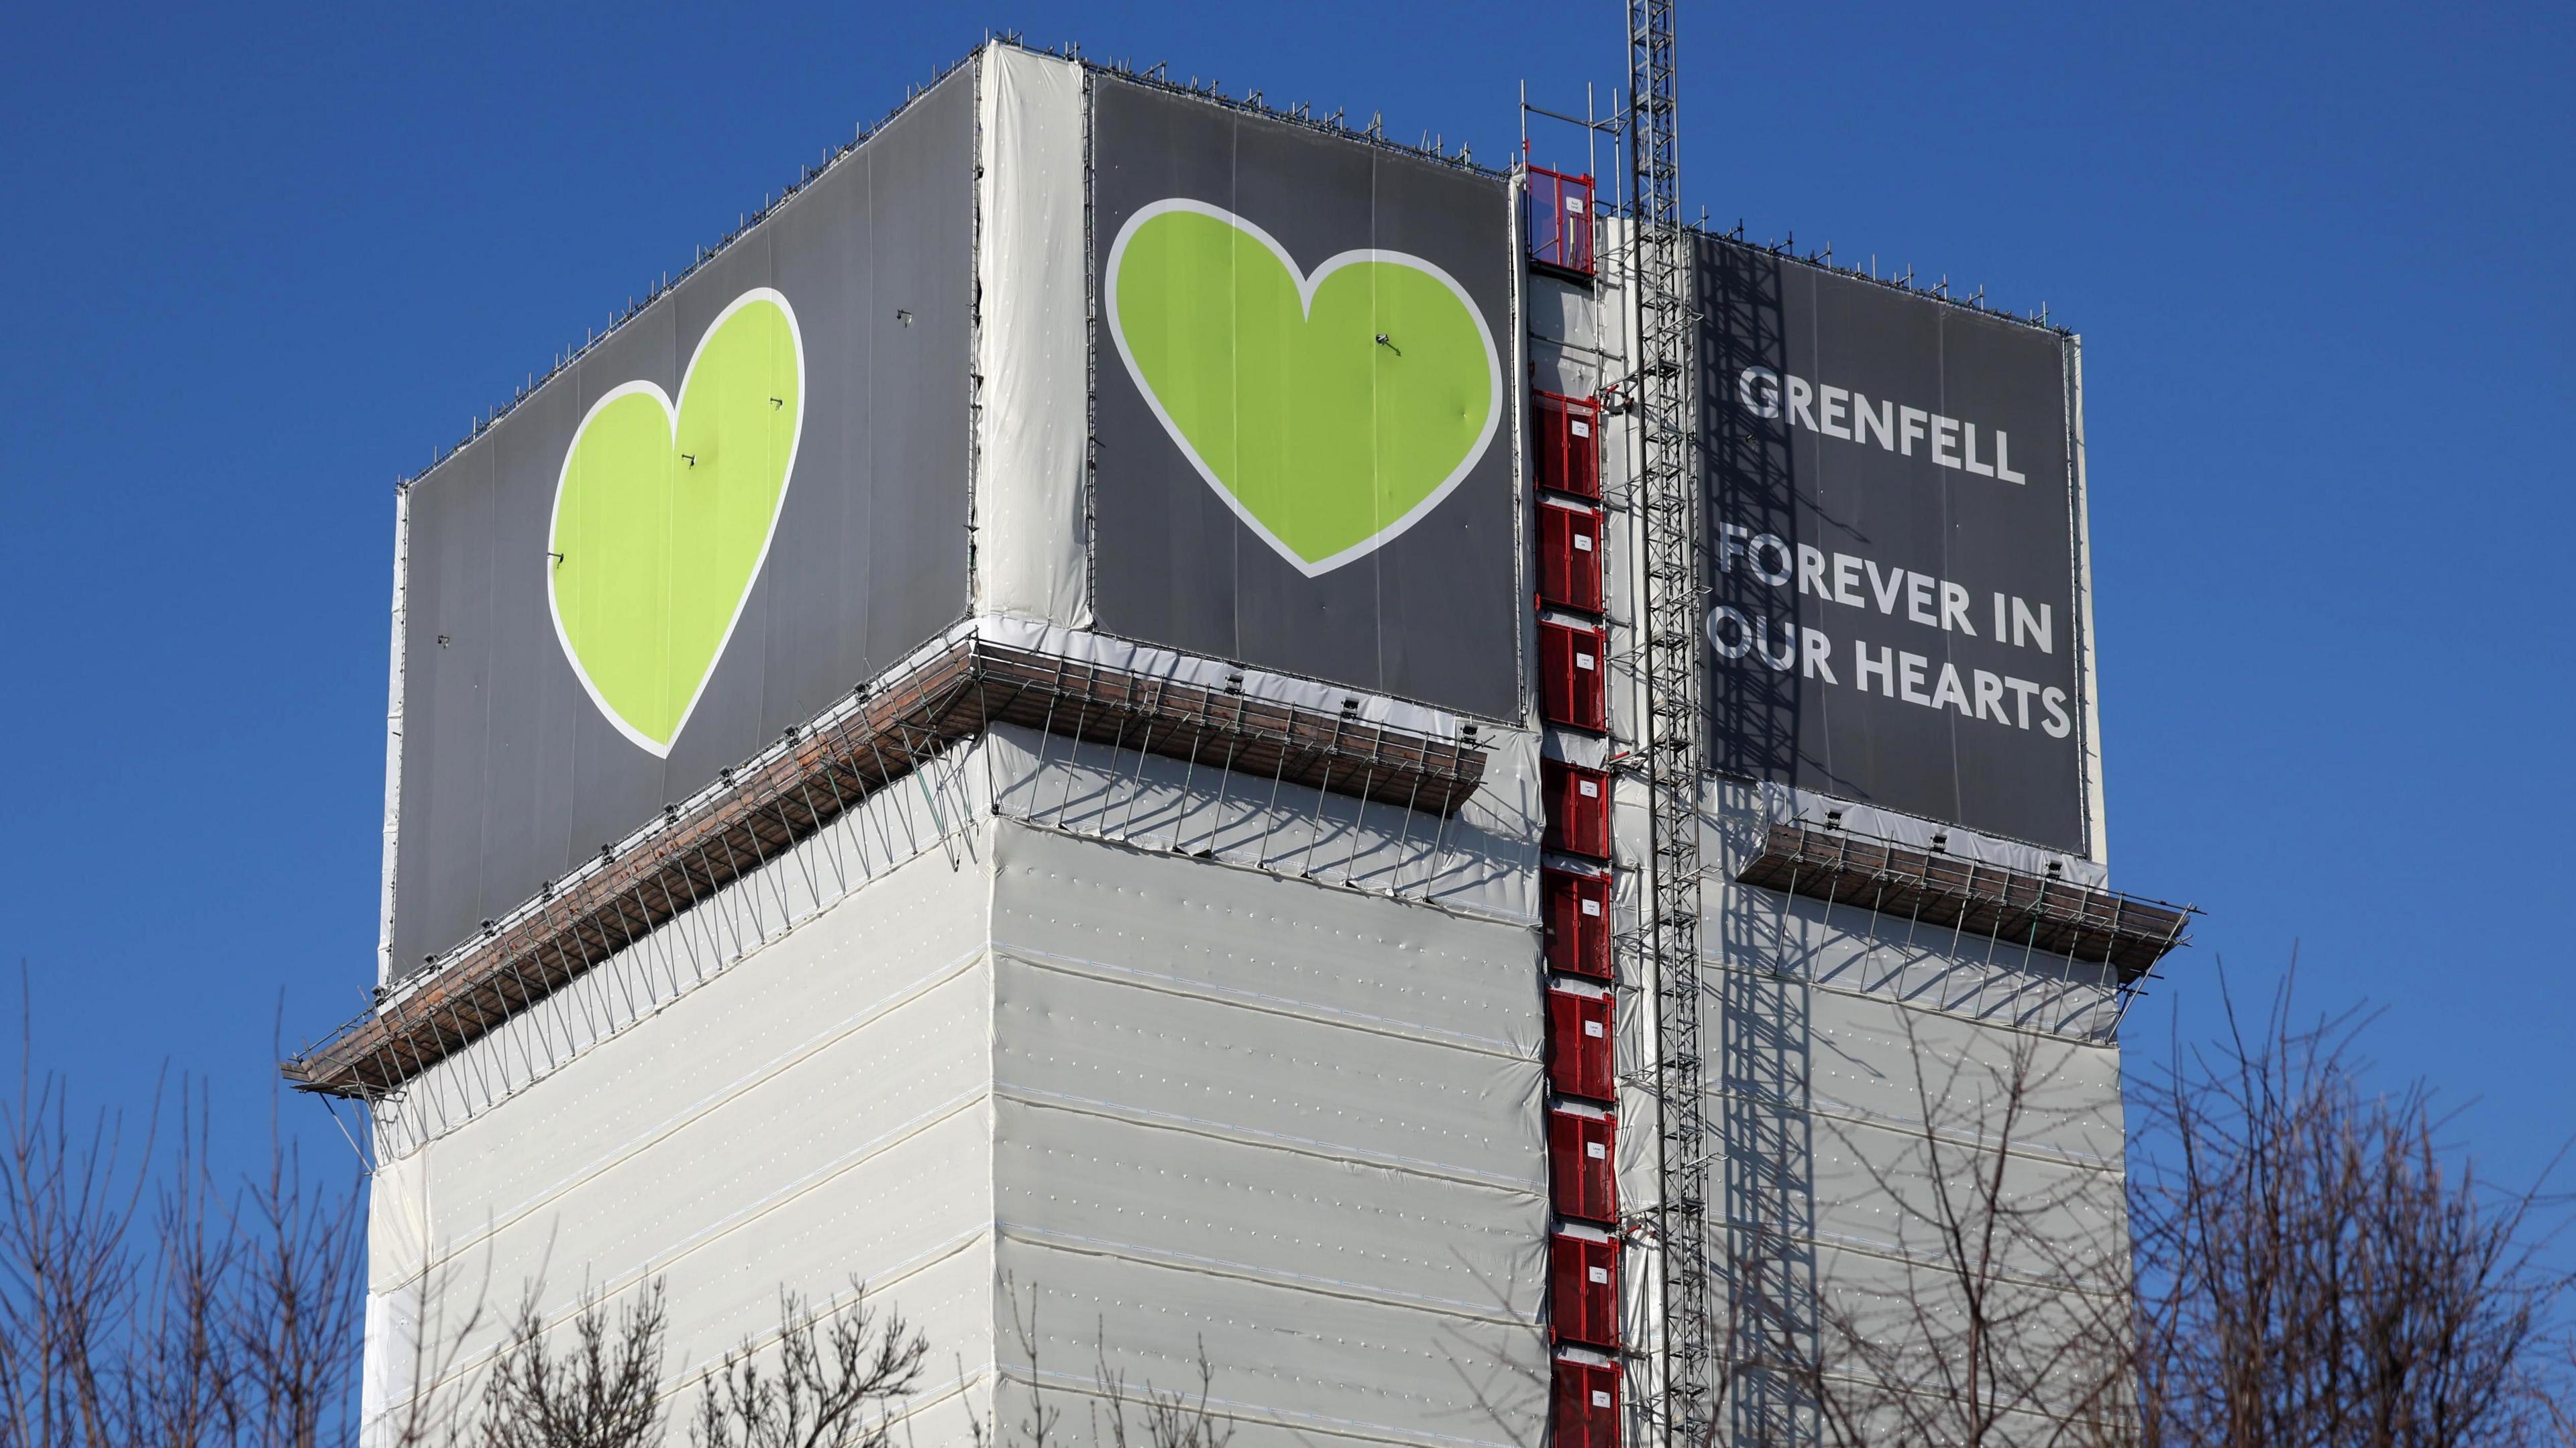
point(1031, 350)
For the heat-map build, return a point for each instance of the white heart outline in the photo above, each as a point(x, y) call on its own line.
point(671, 417)
point(1306, 285)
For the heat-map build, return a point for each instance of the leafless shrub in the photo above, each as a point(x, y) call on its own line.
point(431, 1411)
point(1169, 1419)
point(139, 1305)
point(2305, 1260)
point(603, 1391)
point(1997, 1311)
point(2317, 1266)
point(290, 1308)
point(1037, 1429)
point(830, 1388)
point(1175, 1419)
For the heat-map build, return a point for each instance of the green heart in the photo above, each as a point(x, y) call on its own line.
point(663, 515)
point(1330, 411)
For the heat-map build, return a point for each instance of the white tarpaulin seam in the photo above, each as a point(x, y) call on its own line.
point(1454, 906)
point(878, 1297)
point(1828, 1109)
point(2006, 976)
point(1720, 964)
point(1940, 1267)
point(911, 1267)
point(770, 1070)
point(1030, 955)
point(847, 1161)
point(1267, 1276)
point(1266, 1415)
point(979, 1375)
point(1254, 1136)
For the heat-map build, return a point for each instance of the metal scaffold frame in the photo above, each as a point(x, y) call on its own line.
point(884, 732)
point(1667, 498)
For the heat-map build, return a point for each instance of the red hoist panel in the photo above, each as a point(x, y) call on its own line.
point(1578, 1044)
point(1567, 450)
point(1580, 1165)
point(1577, 911)
point(1587, 1405)
point(1583, 1286)
point(1577, 801)
point(1569, 557)
point(1569, 677)
point(1560, 220)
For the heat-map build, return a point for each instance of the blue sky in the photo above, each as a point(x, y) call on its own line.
point(261, 262)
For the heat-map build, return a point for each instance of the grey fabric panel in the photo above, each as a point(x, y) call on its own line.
point(510, 775)
point(1071, 1178)
point(1334, 955)
point(1863, 1068)
point(1337, 1090)
point(816, 1112)
point(1298, 1123)
point(2059, 1345)
point(1290, 1367)
point(1481, 862)
point(1431, 615)
point(1843, 495)
point(1874, 1189)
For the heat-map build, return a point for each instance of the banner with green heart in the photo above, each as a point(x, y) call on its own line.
point(664, 513)
point(1331, 410)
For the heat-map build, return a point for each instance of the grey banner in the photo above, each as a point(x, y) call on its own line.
point(1429, 608)
point(513, 770)
point(1891, 548)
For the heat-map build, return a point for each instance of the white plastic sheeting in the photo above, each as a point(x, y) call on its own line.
point(394, 738)
point(2087, 640)
point(1032, 341)
point(1571, 348)
point(818, 1112)
point(1159, 1098)
point(1839, 1083)
point(1850, 948)
point(1299, 1124)
point(989, 1064)
point(1480, 862)
point(933, 810)
point(1866, 1053)
point(1875, 1198)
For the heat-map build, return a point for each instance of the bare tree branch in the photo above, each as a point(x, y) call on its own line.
point(604, 1392)
point(829, 1388)
point(2318, 1266)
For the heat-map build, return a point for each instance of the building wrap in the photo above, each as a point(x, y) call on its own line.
point(1054, 730)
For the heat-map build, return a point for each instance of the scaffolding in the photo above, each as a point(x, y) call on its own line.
point(1765, 1013)
point(1669, 755)
point(815, 774)
point(2126, 934)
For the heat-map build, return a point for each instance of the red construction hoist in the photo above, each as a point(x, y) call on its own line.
point(1576, 887)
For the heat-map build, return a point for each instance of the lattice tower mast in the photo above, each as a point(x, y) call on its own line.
point(1668, 497)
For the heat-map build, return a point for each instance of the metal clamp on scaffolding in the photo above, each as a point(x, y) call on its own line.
point(796, 787)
